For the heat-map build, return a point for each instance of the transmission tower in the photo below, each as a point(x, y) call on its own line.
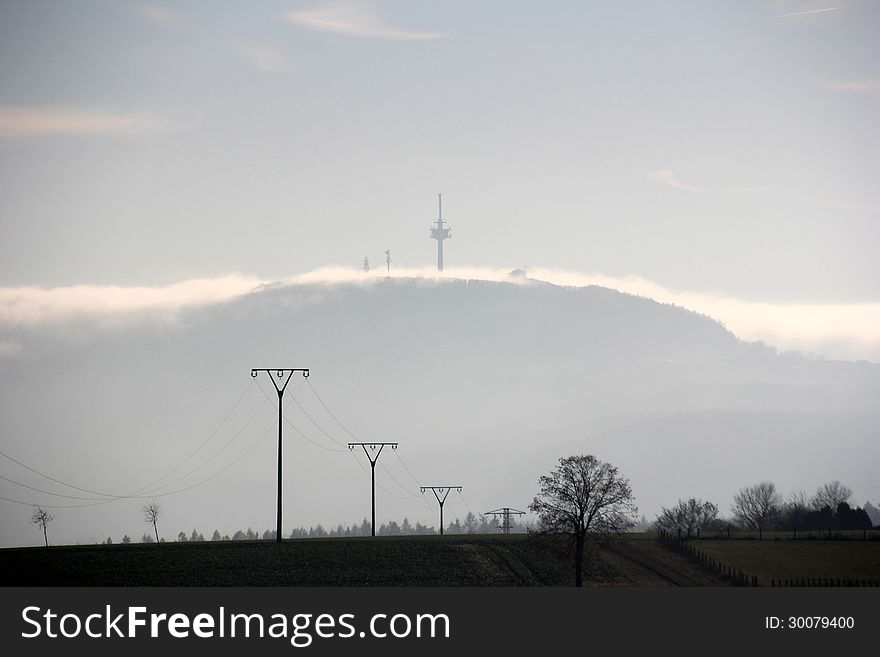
point(438, 492)
point(440, 233)
point(366, 265)
point(373, 458)
point(388, 259)
point(280, 373)
point(505, 512)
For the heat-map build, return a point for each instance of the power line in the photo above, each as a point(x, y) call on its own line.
point(297, 429)
point(40, 490)
point(167, 494)
point(401, 486)
point(113, 495)
point(317, 426)
point(205, 442)
point(210, 458)
point(409, 472)
point(326, 408)
point(380, 486)
point(466, 505)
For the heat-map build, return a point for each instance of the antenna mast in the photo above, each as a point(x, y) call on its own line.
point(440, 233)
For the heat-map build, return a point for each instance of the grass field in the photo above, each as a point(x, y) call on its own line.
point(802, 559)
point(515, 560)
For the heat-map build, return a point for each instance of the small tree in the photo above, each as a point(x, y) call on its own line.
point(583, 496)
point(757, 506)
point(151, 512)
point(41, 518)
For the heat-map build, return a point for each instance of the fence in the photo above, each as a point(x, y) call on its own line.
point(822, 581)
point(731, 574)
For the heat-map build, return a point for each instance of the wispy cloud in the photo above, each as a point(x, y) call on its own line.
point(18, 122)
point(666, 177)
point(847, 205)
point(156, 14)
point(264, 58)
point(810, 12)
point(854, 86)
point(846, 331)
point(352, 19)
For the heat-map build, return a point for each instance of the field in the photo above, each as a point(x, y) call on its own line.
point(796, 560)
point(515, 560)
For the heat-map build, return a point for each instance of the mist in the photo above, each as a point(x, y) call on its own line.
point(484, 379)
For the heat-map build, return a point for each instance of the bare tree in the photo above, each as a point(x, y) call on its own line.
point(583, 496)
point(691, 517)
point(757, 506)
point(832, 495)
point(151, 512)
point(795, 511)
point(41, 518)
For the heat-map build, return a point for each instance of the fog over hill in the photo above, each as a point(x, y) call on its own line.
point(484, 385)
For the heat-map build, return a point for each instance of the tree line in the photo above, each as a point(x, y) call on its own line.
point(761, 508)
point(472, 524)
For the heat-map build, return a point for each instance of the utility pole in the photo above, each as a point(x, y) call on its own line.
point(280, 373)
point(505, 512)
point(440, 233)
point(373, 459)
point(438, 491)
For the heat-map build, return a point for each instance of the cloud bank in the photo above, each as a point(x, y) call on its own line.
point(358, 20)
point(22, 122)
point(838, 331)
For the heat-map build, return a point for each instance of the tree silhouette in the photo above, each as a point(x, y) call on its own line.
point(691, 517)
point(41, 518)
point(832, 495)
point(584, 496)
point(151, 512)
point(757, 506)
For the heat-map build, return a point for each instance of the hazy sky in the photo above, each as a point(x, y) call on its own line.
point(721, 156)
point(711, 146)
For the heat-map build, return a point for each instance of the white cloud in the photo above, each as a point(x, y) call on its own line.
point(156, 14)
point(24, 307)
point(20, 122)
point(810, 12)
point(666, 177)
point(852, 86)
point(264, 58)
point(844, 331)
point(354, 20)
point(855, 207)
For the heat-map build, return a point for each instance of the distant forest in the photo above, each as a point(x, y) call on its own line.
point(472, 525)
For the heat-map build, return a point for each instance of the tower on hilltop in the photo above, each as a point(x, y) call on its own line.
point(440, 233)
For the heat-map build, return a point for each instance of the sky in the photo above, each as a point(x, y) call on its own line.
point(721, 156)
point(721, 149)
